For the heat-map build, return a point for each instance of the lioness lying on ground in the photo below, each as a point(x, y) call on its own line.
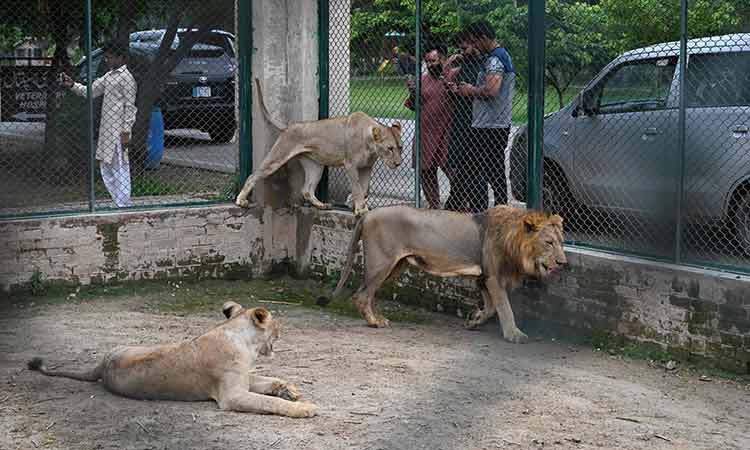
point(498, 247)
point(214, 366)
point(354, 142)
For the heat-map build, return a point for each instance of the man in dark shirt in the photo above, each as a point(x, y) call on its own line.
point(464, 67)
point(492, 111)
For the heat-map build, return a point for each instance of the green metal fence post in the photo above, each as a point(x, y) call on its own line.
point(245, 48)
point(418, 108)
point(90, 111)
point(323, 81)
point(535, 163)
point(681, 132)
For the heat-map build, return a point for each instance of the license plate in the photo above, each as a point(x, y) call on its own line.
point(202, 91)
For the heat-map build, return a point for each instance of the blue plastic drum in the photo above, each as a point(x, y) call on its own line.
point(155, 139)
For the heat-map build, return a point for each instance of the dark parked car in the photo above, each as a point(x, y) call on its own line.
point(199, 92)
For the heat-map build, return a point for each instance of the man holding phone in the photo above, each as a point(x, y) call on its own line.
point(492, 112)
point(117, 118)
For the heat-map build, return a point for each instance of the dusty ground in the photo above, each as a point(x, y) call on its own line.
point(428, 385)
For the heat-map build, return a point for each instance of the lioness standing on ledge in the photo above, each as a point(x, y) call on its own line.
point(354, 142)
point(498, 247)
point(213, 366)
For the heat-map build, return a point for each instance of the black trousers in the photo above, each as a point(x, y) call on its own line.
point(484, 162)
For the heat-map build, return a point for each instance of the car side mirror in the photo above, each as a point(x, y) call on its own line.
point(585, 105)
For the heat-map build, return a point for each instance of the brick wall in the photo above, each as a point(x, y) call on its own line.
point(684, 309)
point(195, 242)
point(691, 310)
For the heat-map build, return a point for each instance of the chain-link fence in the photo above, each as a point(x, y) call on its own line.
point(373, 65)
point(633, 162)
point(145, 115)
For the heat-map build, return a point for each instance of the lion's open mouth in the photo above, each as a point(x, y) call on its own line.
point(547, 269)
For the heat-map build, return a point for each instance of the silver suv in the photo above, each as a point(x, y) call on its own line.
point(615, 146)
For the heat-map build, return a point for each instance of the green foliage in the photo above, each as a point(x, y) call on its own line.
point(36, 284)
point(637, 23)
point(581, 36)
point(9, 36)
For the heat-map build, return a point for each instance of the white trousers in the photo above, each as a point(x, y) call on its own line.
point(116, 177)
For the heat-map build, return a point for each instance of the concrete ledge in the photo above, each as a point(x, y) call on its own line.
point(215, 241)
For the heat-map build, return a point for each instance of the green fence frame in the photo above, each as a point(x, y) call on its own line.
point(535, 162)
point(244, 52)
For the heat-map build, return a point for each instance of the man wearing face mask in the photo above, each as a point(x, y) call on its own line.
point(435, 122)
point(117, 117)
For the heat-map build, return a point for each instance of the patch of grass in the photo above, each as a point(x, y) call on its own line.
point(36, 284)
point(147, 184)
point(697, 365)
point(380, 97)
point(384, 97)
point(183, 297)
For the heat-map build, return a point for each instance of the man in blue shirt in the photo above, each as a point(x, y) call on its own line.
point(492, 109)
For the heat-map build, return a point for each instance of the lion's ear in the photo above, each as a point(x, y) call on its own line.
point(377, 134)
point(396, 125)
point(261, 316)
point(556, 219)
point(530, 225)
point(231, 309)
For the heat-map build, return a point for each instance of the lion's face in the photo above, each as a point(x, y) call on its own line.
point(387, 144)
point(267, 330)
point(546, 254)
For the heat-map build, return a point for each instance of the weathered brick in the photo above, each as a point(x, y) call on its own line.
point(682, 302)
point(732, 312)
point(730, 325)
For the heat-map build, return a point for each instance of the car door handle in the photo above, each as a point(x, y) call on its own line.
point(650, 131)
point(740, 129)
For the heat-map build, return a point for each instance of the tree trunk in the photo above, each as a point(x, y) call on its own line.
point(61, 163)
point(152, 83)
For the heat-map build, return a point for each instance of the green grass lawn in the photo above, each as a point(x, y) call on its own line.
point(383, 97)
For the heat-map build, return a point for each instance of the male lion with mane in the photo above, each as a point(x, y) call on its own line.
point(498, 247)
point(213, 366)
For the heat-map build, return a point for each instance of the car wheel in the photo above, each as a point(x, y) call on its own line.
point(741, 222)
point(222, 132)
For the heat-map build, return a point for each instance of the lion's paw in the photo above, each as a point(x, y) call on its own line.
point(380, 322)
point(242, 202)
point(516, 336)
point(360, 211)
point(473, 321)
point(471, 324)
point(305, 410)
point(289, 392)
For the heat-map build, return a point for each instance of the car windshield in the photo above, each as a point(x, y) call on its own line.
point(212, 40)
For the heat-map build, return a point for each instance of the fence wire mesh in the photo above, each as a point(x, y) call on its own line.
point(164, 105)
point(462, 167)
point(614, 163)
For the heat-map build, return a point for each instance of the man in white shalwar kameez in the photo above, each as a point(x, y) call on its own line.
point(117, 118)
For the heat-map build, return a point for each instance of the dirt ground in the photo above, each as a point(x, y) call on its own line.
point(428, 384)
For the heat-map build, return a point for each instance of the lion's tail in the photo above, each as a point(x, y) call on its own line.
point(92, 375)
point(356, 236)
point(271, 119)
